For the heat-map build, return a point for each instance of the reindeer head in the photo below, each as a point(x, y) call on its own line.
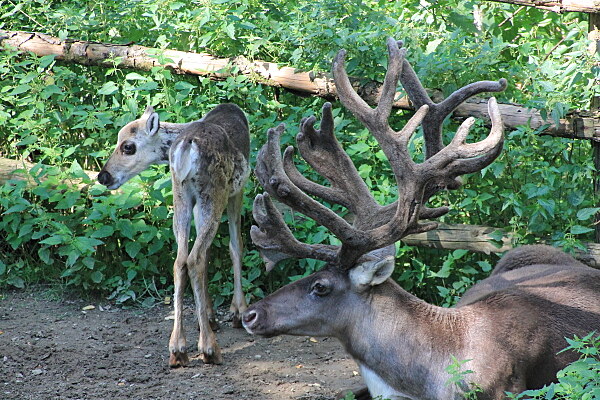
point(320, 304)
point(138, 146)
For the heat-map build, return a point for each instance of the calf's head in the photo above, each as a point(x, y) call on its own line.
point(138, 146)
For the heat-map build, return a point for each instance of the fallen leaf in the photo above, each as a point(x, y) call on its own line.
point(87, 308)
point(312, 339)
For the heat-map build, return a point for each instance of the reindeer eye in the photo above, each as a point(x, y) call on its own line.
point(320, 289)
point(128, 148)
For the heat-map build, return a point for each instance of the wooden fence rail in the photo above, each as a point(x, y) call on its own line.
point(577, 125)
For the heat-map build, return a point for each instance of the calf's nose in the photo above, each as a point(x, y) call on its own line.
point(105, 178)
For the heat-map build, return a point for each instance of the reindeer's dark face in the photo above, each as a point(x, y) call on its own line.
point(321, 304)
point(304, 307)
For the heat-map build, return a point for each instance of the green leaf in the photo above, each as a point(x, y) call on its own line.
point(86, 244)
point(12, 12)
point(432, 45)
point(586, 213)
point(132, 248)
point(135, 77)
point(108, 88)
point(49, 90)
point(44, 254)
point(183, 85)
point(96, 276)
point(53, 240)
point(20, 90)
point(16, 208)
point(126, 228)
point(69, 200)
point(45, 61)
point(578, 230)
point(16, 282)
point(147, 86)
point(575, 198)
point(30, 139)
point(103, 231)
point(230, 30)
point(131, 274)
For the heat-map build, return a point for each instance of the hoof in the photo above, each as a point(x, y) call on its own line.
point(214, 325)
point(211, 356)
point(236, 321)
point(178, 359)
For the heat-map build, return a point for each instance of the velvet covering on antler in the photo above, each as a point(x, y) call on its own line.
point(375, 226)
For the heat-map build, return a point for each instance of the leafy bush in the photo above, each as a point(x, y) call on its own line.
point(67, 116)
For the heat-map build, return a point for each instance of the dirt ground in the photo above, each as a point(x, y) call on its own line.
point(54, 349)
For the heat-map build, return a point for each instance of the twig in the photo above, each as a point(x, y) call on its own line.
point(511, 17)
point(27, 15)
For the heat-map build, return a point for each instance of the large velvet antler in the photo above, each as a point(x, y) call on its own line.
point(374, 226)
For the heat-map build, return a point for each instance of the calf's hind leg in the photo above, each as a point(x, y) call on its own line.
point(236, 249)
point(207, 217)
point(181, 227)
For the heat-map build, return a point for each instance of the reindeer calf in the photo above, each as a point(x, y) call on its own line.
point(209, 167)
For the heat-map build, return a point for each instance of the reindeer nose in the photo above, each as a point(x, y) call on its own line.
point(249, 319)
point(105, 178)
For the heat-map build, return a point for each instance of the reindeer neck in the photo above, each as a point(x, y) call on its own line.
point(168, 132)
point(407, 341)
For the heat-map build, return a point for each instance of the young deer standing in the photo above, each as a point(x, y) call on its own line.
point(511, 326)
point(209, 168)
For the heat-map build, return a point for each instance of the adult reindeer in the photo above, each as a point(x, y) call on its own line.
point(511, 330)
point(209, 168)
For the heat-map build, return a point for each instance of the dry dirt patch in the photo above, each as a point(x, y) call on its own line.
point(54, 349)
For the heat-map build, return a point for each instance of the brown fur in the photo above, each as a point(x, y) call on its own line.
point(512, 330)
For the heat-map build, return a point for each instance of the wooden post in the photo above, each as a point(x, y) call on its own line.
point(594, 36)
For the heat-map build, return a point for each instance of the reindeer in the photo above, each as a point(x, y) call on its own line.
point(511, 326)
point(208, 159)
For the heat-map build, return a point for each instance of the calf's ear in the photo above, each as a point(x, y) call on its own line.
point(372, 272)
point(152, 121)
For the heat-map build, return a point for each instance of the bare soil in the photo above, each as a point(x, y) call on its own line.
point(54, 349)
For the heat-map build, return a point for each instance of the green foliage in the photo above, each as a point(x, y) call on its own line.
point(84, 238)
point(67, 116)
point(577, 381)
point(459, 378)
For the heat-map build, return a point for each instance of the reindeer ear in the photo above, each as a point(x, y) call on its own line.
point(372, 272)
point(152, 121)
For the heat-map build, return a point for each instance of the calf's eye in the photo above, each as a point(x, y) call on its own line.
point(128, 148)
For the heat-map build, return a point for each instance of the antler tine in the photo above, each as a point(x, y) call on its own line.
point(374, 119)
point(272, 177)
point(460, 158)
point(432, 125)
point(323, 152)
point(275, 240)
